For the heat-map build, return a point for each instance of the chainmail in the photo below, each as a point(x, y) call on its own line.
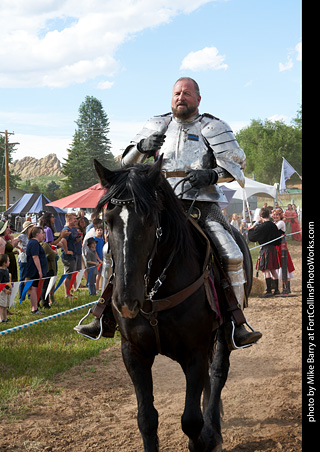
point(210, 211)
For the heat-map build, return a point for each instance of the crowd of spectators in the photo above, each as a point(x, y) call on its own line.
point(269, 224)
point(36, 251)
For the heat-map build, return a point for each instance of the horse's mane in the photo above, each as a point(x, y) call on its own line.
point(153, 196)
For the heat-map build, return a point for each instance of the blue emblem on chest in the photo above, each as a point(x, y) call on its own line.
point(193, 137)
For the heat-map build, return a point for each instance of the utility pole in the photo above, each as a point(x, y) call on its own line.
point(6, 162)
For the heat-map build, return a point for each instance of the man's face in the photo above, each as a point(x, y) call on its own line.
point(185, 100)
point(72, 221)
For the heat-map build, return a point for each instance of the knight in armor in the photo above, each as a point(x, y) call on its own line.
point(205, 149)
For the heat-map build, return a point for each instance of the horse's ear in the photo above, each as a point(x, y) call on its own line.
point(155, 170)
point(105, 175)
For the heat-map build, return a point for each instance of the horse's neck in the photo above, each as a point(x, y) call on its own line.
point(183, 269)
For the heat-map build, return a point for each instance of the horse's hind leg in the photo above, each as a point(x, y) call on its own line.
point(139, 369)
point(211, 432)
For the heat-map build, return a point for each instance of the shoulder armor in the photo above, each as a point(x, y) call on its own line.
point(166, 114)
point(156, 124)
point(207, 115)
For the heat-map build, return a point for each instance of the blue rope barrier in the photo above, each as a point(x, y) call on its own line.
point(267, 243)
point(45, 319)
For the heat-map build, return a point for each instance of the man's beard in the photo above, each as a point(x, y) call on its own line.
point(185, 113)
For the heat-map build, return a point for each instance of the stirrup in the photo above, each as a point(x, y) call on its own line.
point(85, 335)
point(233, 344)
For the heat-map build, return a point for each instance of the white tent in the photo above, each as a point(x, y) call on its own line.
point(252, 188)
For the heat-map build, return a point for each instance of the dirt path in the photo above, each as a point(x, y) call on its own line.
point(262, 398)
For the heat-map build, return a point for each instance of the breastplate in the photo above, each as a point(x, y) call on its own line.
point(185, 148)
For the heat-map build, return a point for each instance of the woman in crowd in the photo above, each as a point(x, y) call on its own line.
point(235, 221)
point(278, 216)
point(268, 261)
point(3, 229)
point(11, 243)
point(36, 264)
point(47, 223)
point(292, 224)
point(22, 258)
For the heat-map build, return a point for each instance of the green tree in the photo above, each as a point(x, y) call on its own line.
point(13, 178)
point(90, 142)
point(265, 143)
point(51, 190)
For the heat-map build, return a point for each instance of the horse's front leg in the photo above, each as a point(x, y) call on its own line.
point(139, 369)
point(192, 420)
point(211, 433)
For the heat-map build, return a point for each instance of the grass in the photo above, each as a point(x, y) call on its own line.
point(34, 355)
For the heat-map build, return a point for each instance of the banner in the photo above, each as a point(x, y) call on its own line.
point(286, 172)
point(79, 278)
point(14, 291)
point(27, 286)
point(72, 280)
point(50, 285)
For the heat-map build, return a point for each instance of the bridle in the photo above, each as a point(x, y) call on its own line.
point(158, 234)
point(151, 307)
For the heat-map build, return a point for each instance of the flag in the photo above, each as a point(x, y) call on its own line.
point(79, 278)
point(27, 286)
point(286, 173)
point(14, 290)
point(2, 286)
point(50, 285)
point(39, 289)
point(63, 277)
point(72, 280)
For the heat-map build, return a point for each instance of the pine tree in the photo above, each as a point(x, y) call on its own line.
point(90, 142)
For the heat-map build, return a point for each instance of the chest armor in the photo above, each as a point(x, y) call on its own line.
point(185, 148)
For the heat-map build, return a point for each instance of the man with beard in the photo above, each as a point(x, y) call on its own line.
point(203, 148)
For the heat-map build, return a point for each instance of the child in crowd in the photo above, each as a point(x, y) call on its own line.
point(100, 243)
point(6, 291)
point(92, 264)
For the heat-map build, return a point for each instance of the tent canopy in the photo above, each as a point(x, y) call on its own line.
point(35, 203)
point(87, 198)
point(252, 188)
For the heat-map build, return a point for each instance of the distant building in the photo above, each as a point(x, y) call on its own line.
point(14, 195)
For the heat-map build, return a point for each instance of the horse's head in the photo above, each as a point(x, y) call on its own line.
point(135, 199)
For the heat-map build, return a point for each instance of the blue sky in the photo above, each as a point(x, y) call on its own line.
point(245, 55)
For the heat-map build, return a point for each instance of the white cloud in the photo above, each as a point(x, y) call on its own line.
point(286, 66)
point(207, 58)
point(57, 43)
point(289, 64)
point(105, 85)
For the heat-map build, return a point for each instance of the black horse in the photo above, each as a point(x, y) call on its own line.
point(160, 300)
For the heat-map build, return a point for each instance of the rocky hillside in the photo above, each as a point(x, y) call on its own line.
point(30, 167)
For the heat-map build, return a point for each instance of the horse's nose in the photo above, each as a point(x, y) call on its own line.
point(130, 312)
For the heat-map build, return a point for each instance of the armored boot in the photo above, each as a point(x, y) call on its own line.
point(240, 336)
point(103, 324)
